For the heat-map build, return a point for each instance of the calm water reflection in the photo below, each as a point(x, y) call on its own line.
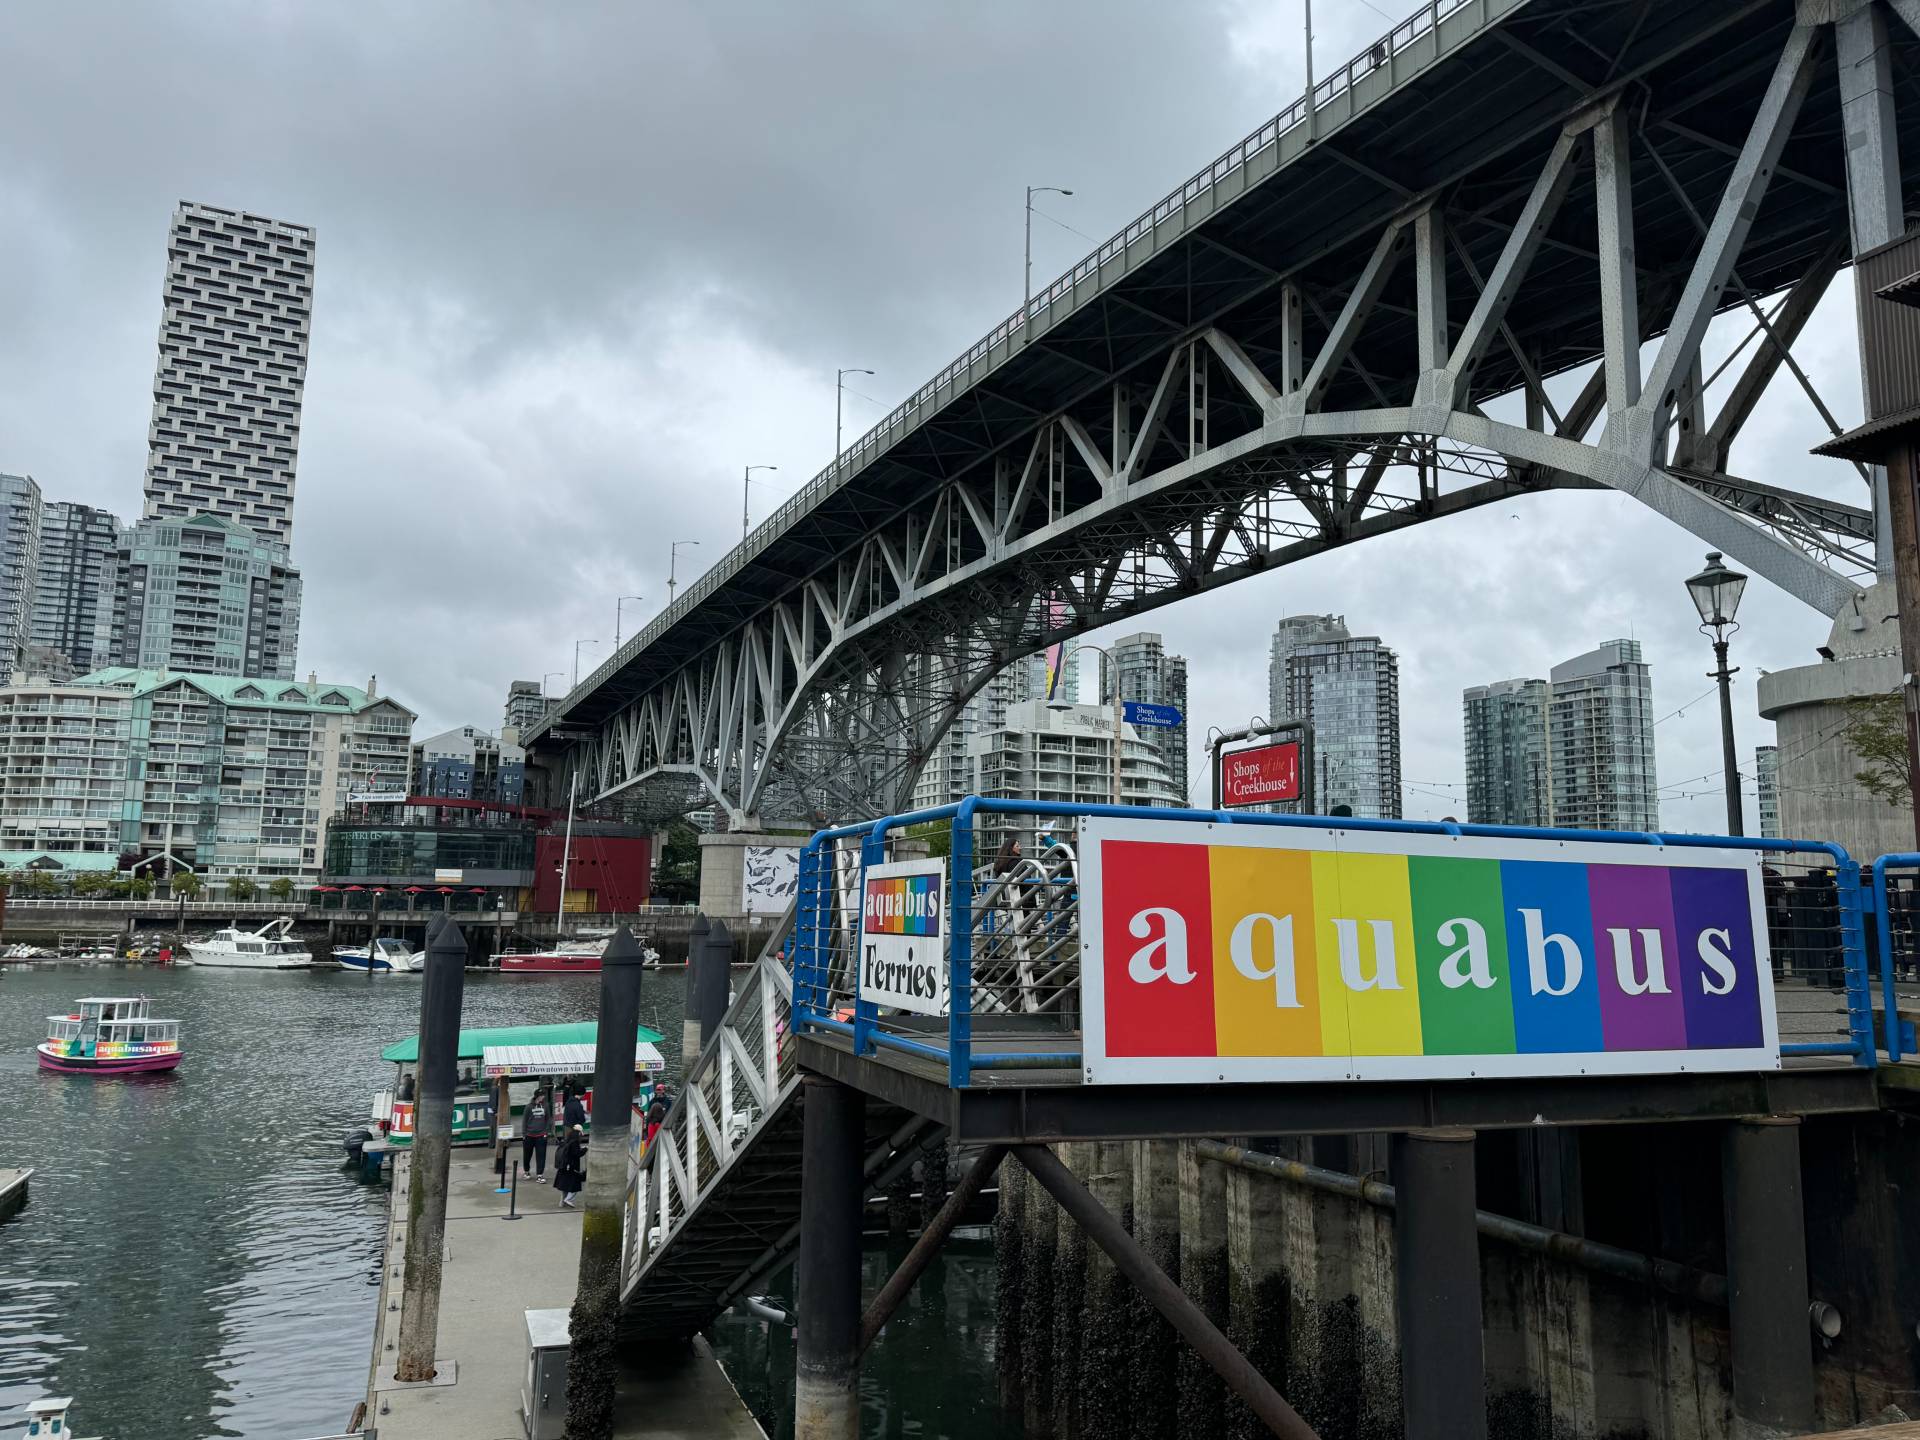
point(196, 1261)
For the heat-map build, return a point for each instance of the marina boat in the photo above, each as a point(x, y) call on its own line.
point(568, 957)
point(384, 956)
point(267, 948)
point(110, 1035)
point(47, 1419)
point(522, 1056)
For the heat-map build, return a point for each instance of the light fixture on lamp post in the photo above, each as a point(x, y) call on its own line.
point(576, 659)
point(673, 564)
point(618, 606)
point(1112, 669)
point(746, 488)
point(840, 390)
point(1716, 595)
point(548, 676)
point(1026, 292)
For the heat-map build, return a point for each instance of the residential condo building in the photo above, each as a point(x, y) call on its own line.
point(469, 764)
point(77, 545)
point(204, 595)
point(1600, 736)
point(1038, 751)
point(1766, 774)
point(1148, 674)
point(1509, 777)
point(527, 706)
point(235, 318)
point(231, 776)
point(1346, 689)
point(19, 565)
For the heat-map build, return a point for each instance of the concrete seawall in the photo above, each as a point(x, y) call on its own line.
point(1302, 1277)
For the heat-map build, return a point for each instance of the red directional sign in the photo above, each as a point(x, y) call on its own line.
point(1260, 774)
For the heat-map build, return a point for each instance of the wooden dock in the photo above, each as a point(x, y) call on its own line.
point(13, 1189)
point(494, 1271)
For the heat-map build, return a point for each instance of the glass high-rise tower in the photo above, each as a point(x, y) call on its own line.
point(1509, 777)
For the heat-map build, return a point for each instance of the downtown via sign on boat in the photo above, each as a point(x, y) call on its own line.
point(1255, 953)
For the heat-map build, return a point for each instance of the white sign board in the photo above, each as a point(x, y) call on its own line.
point(770, 876)
point(449, 877)
point(903, 951)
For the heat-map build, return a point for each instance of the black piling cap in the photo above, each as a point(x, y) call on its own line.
point(622, 949)
point(447, 936)
point(700, 925)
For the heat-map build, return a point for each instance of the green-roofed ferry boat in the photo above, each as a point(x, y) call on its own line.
point(519, 1057)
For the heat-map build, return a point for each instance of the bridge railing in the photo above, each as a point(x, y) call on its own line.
point(726, 1094)
point(1896, 918)
point(1013, 939)
point(1430, 33)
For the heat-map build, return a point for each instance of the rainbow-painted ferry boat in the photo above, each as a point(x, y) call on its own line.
point(110, 1035)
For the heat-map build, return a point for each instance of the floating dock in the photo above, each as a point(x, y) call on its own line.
point(13, 1189)
point(493, 1272)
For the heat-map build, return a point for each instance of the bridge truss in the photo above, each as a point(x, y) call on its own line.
point(1340, 334)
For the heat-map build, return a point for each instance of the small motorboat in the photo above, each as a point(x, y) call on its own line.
point(579, 957)
point(110, 1035)
point(384, 956)
point(47, 1419)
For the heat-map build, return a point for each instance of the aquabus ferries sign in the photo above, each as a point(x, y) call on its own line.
point(1245, 953)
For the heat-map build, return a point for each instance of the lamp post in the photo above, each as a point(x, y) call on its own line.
point(673, 564)
point(839, 390)
point(1112, 668)
point(746, 488)
point(1716, 595)
point(619, 606)
point(548, 676)
point(576, 660)
point(1026, 292)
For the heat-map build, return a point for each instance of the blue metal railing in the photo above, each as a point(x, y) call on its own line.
point(1897, 1034)
point(825, 867)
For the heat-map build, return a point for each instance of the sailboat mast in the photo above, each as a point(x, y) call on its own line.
point(566, 854)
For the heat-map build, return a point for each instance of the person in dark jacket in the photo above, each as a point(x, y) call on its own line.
point(574, 1111)
point(536, 1122)
point(570, 1165)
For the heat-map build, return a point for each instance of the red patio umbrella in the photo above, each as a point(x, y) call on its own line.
point(326, 889)
point(446, 890)
point(477, 890)
point(414, 890)
point(356, 887)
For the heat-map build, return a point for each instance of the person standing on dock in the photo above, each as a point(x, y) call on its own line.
point(570, 1164)
point(535, 1123)
point(573, 1110)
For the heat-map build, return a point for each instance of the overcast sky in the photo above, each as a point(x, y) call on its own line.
point(578, 264)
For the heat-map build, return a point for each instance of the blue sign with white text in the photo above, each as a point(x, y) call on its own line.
point(1163, 717)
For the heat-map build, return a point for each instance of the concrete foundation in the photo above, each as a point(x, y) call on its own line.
point(723, 868)
point(1305, 1282)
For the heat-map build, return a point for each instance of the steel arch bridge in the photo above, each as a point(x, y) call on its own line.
point(1339, 329)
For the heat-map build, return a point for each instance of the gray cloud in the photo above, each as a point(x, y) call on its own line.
point(579, 264)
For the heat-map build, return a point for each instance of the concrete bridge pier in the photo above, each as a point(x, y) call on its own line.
point(1767, 1278)
point(1437, 1277)
point(827, 1338)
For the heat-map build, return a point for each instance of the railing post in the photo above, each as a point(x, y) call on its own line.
point(873, 851)
point(1853, 953)
point(960, 951)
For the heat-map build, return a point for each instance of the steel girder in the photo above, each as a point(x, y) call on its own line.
point(1238, 448)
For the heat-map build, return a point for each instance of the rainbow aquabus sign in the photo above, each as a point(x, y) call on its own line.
point(1253, 953)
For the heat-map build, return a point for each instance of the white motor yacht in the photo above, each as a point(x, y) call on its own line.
point(267, 948)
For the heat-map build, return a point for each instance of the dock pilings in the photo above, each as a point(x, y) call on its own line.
point(441, 991)
point(593, 1330)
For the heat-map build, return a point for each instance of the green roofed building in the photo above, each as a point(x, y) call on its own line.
point(233, 776)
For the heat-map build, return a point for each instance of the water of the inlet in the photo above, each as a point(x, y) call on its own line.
point(197, 1260)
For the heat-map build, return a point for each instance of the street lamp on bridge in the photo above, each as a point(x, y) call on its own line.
point(619, 606)
point(746, 489)
point(839, 392)
point(576, 659)
point(673, 564)
point(1716, 595)
point(1026, 293)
